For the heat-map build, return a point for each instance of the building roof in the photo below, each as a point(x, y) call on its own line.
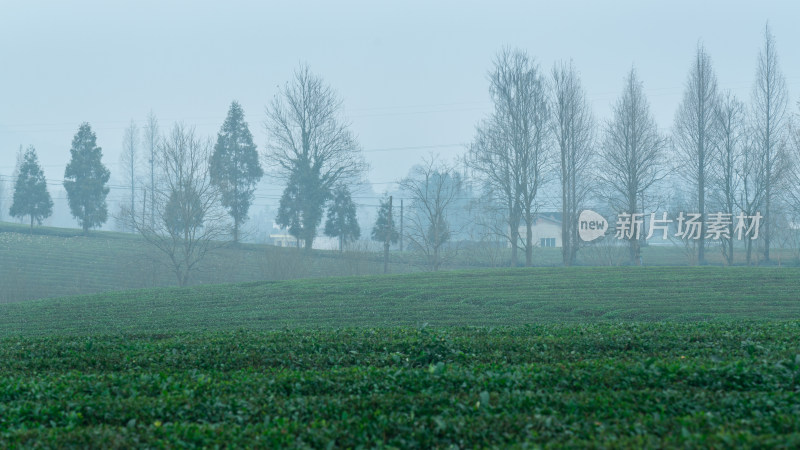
point(554, 217)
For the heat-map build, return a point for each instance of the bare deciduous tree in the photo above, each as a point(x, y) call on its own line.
point(573, 127)
point(311, 148)
point(151, 138)
point(725, 181)
point(2, 196)
point(434, 188)
point(753, 182)
point(633, 155)
point(510, 150)
point(492, 162)
point(793, 174)
point(130, 160)
point(729, 117)
point(770, 101)
point(694, 134)
point(189, 219)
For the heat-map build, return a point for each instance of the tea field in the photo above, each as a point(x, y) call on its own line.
point(580, 357)
point(498, 297)
point(628, 385)
point(56, 262)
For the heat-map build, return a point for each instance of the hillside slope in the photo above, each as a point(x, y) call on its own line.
point(56, 262)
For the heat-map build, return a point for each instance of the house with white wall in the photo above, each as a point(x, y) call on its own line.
point(546, 230)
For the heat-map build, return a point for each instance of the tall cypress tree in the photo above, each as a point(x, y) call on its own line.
point(85, 180)
point(234, 166)
point(30, 190)
point(384, 225)
point(342, 222)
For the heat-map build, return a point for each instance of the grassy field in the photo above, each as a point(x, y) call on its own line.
point(461, 298)
point(56, 262)
point(577, 357)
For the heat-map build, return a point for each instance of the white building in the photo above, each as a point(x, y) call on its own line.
point(546, 230)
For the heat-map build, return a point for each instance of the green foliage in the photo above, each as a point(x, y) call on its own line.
point(383, 226)
point(30, 190)
point(441, 228)
point(625, 385)
point(234, 166)
point(311, 148)
point(595, 357)
point(85, 180)
point(55, 262)
point(342, 222)
point(183, 213)
point(301, 205)
point(459, 298)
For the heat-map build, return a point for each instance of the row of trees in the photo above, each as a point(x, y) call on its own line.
point(541, 133)
point(727, 154)
point(722, 154)
point(195, 185)
point(85, 181)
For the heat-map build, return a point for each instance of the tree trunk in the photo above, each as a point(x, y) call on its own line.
point(572, 217)
point(565, 257)
point(766, 221)
point(529, 244)
point(514, 231)
point(565, 208)
point(436, 243)
point(701, 249)
point(386, 257)
point(730, 251)
point(633, 240)
point(749, 245)
point(633, 244)
point(514, 251)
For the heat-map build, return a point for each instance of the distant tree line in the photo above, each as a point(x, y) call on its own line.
point(724, 155)
point(193, 194)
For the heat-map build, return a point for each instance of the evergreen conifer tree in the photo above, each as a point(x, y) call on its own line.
point(383, 226)
point(342, 222)
point(30, 191)
point(85, 180)
point(234, 166)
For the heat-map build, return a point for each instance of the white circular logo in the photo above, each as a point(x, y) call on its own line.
point(591, 225)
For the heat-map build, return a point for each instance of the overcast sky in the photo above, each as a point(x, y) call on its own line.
point(412, 74)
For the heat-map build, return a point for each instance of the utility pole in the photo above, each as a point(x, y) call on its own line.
point(388, 240)
point(401, 224)
point(152, 189)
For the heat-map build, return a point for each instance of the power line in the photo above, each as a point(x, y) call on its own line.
point(372, 150)
point(416, 147)
point(432, 108)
